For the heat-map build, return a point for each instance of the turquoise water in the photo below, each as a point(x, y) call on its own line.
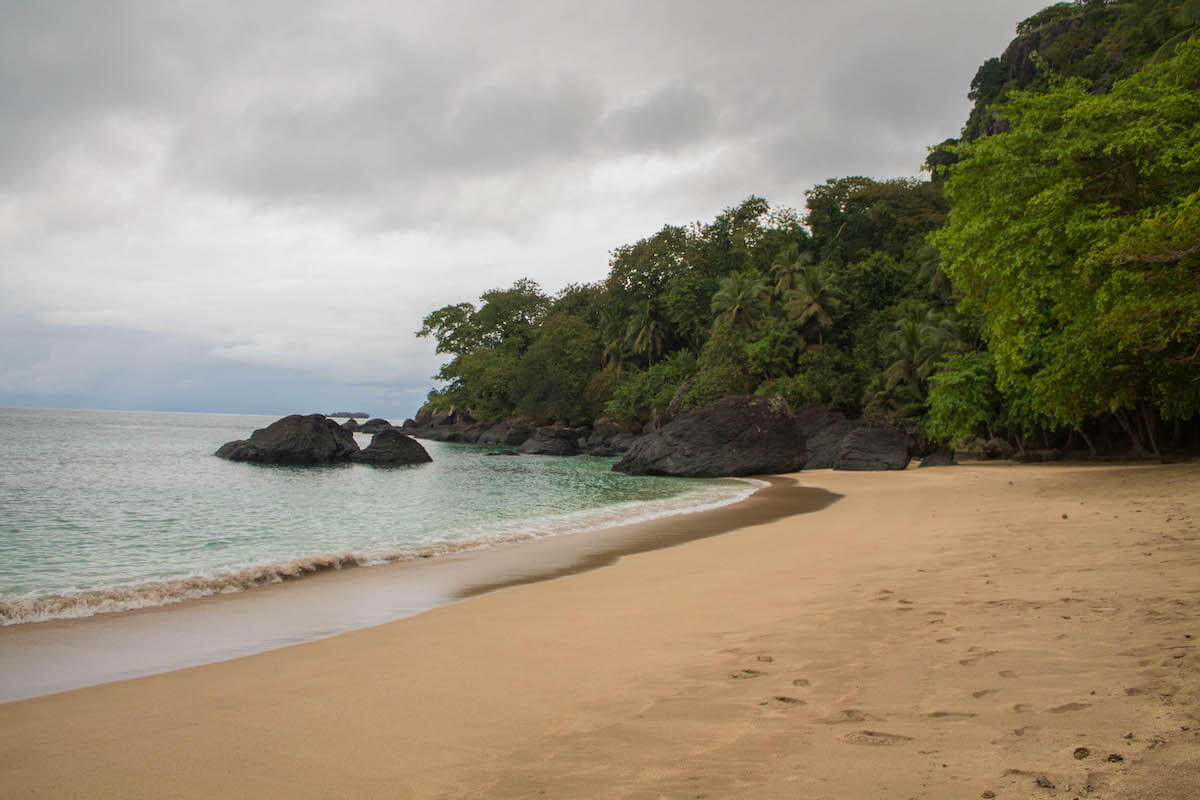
point(107, 511)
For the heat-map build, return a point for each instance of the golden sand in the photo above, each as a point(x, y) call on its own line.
point(1029, 631)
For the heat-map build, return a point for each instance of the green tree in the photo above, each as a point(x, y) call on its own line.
point(963, 399)
point(1074, 237)
point(814, 301)
point(741, 301)
point(556, 369)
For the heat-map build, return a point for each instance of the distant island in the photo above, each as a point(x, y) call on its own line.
point(350, 415)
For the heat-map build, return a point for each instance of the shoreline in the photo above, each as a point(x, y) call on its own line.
point(990, 628)
point(166, 592)
point(45, 657)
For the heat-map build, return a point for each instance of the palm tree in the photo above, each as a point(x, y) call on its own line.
point(814, 300)
point(919, 341)
point(787, 268)
point(741, 300)
point(645, 332)
point(931, 274)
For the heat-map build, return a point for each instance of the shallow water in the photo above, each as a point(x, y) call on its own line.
point(108, 511)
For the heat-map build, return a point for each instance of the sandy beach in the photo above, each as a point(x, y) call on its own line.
point(974, 631)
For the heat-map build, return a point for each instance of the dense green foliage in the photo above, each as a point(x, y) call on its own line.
point(757, 299)
point(1075, 236)
point(1044, 283)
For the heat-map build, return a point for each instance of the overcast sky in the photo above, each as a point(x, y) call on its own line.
point(249, 206)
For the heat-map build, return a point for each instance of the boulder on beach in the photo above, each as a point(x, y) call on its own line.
point(874, 447)
point(823, 430)
point(737, 435)
point(296, 439)
point(350, 425)
point(834, 442)
point(939, 457)
point(374, 426)
point(391, 448)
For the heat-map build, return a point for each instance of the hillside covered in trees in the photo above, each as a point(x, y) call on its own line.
point(1042, 286)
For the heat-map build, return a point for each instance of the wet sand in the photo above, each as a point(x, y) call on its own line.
point(1029, 631)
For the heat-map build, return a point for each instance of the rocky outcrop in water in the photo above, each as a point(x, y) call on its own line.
point(296, 439)
point(376, 425)
point(511, 432)
point(738, 435)
point(392, 448)
point(552, 440)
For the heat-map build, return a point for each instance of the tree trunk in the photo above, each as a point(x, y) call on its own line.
point(1083, 435)
point(1148, 420)
point(1138, 450)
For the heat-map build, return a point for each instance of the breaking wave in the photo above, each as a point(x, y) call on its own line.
point(130, 597)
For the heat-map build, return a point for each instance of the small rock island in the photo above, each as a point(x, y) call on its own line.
point(314, 439)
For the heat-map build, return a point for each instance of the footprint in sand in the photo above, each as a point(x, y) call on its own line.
point(1007, 673)
point(1022, 708)
point(788, 701)
point(1069, 707)
point(983, 693)
point(950, 715)
point(801, 682)
point(849, 715)
point(976, 654)
point(743, 674)
point(875, 738)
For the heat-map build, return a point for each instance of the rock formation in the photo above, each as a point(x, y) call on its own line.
point(392, 448)
point(737, 435)
point(300, 440)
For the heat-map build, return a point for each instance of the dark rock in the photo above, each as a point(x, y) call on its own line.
point(409, 423)
point(350, 425)
point(739, 435)
point(616, 446)
point(393, 448)
point(302, 440)
point(997, 448)
point(825, 446)
point(609, 437)
point(510, 432)
point(874, 447)
point(467, 434)
point(552, 440)
point(428, 417)
point(942, 457)
point(812, 418)
point(503, 453)
point(374, 426)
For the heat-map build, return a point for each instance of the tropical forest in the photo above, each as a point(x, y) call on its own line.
point(1038, 284)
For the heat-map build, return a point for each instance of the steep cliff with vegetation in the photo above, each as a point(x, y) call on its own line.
point(1043, 287)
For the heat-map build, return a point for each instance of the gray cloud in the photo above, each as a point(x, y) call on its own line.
point(292, 184)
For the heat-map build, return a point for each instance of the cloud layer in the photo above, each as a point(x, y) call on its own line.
point(292, 185)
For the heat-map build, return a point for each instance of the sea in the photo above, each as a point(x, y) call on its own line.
point(108, 511)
